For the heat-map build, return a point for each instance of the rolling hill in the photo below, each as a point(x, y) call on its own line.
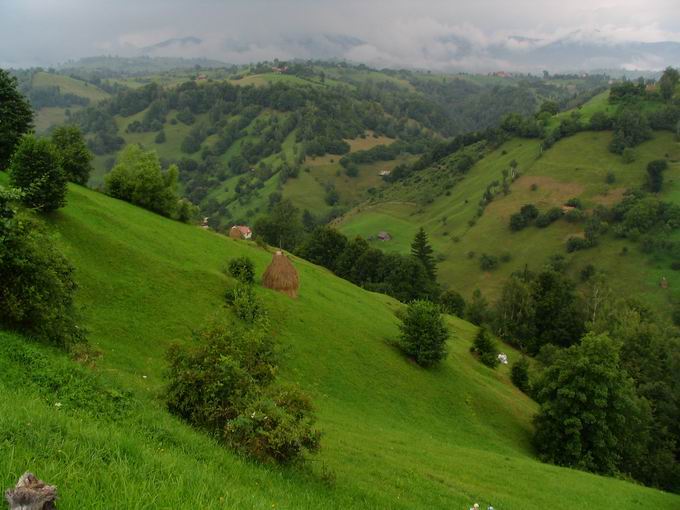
point(395, 435)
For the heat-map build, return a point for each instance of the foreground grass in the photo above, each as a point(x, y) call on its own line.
point(395, 436)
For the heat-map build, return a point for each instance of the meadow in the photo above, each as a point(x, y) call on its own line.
point(395, 435)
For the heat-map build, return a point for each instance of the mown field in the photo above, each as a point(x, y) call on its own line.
point(395, 435)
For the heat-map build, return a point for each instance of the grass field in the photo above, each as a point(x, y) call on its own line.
point(69, 85)
point(575, 167)
point(395, 436)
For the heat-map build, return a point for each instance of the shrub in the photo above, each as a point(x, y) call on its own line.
point(577, 243)
point(675, 265)
point(37, 290)
point(587, 272)
point(529, 211)
point(517, 222)
point(243, 269)
point(485, 347)
point(423, 333)
point(488, 262)
point(452, 302)
point(35, 169)
point(628, 155)
point(533, 187)
point(225, 383)
point(574, 216)
point(610, 178)
point(519, 374)
point(548, 217)
point(575, 202)
point(246, 304)
point(278, 426)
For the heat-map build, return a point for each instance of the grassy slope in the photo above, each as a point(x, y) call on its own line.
point(50, 116)
point(574, 167)
point(395, 435)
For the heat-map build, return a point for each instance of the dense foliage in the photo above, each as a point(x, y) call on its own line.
point(423, 333)
point(36, 169)
point(225, 382)
point(74, 156)
point(16, 115)
point(137, 178)
point(38, 286)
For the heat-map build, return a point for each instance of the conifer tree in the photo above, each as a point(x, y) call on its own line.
point(16, 115)
point(421, 249)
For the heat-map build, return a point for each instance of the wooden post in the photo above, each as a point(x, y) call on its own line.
point(31, 494)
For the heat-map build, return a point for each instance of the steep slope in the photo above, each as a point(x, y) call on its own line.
point(396, 436)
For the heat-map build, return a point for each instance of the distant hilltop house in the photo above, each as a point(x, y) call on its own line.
point(240, 232)
point(384, 173)
point(384, 236)
point(201, 77)
point(502, 74)
point(280, 70)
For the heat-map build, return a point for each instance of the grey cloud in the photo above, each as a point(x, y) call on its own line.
point(435, 34)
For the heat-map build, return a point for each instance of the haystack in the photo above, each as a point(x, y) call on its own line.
point(281, 275)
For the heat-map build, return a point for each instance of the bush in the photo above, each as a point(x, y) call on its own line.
point(488, 262)
point(574, 216)
point(74, 156)
point(577, 243)
point(517, 222)
point(519, 374)
point(246, 304)
point(35, 169)
point(485, 347)
point(529, 211)
point(423, 333)
point(278, 426)
point(38, 288)
point(452, 303)
point(243, 269)
point(675, 265)
point(548, 217)
point(628, 155)
point(610, 178)
point(225, 383)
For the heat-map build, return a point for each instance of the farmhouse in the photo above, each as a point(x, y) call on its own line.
point(384, 173)
point(240, 232)
point(384, 236)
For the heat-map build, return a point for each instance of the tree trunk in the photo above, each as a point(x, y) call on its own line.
point(31, 494)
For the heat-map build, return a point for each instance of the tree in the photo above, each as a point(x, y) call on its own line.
point(519, 374)
point(452, 303)
point(323, 246)
point(655, 174)
point(282, 227)
point(514, 313)
point(421, 250)
point(38, 288)
point(16, 115)
point(517, 222)
point(477, 309)
point(423, 333)
point(75, 157)
point(344, 264)
point(631, 128)
point(668, 82)
point(137, 178)
point(243, 269)
point(35, 170)
point(485, 347)
point(558, 312)
point(590, 416)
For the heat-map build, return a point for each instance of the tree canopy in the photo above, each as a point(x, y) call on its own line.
point(16, 115)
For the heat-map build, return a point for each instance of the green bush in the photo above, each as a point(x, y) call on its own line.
point(452, 302)
point(243, 269)
point(278, 426)
point(225, 383)
point(36, 170)
point(75, 157)
point(577, 243)
point(485, 347)
point(517, 222)
point(488, 262)
point(553, 214)
point(37, 289)
point(519, 374)
point(423, 333)
point(246, 304)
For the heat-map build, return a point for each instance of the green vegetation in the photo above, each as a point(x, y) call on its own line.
point(136, 297)
point(75, 158)
point(35, 169)
point(423, 333)
point(16, 114)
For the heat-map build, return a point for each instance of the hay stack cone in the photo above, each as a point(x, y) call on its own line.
point(281, 275)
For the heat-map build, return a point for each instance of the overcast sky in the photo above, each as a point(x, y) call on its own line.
point(435, 34)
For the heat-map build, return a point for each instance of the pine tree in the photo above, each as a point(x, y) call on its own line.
point(421, 249)
point(16, 115)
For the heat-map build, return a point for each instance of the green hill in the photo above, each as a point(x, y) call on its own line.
point(395, 435)
point(575, 167)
